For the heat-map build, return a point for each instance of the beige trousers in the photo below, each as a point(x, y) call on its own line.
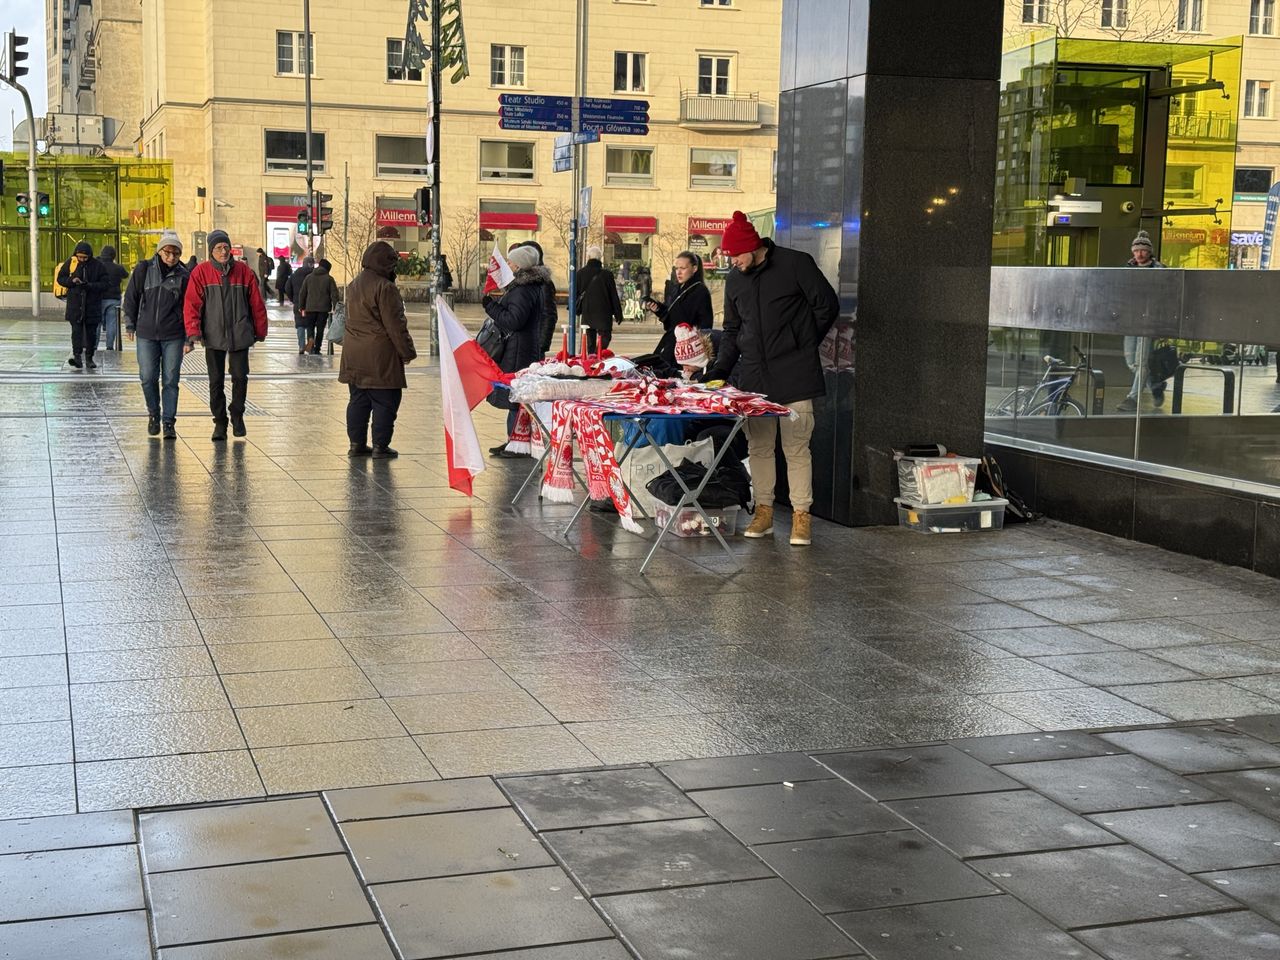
point(762, 438)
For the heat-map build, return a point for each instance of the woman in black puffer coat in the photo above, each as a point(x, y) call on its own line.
point(689, 302)
point(518, 312)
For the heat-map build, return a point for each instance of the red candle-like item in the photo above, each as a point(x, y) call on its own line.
point(565, 347)
point(583, 354)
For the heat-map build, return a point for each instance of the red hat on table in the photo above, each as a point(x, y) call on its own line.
point(740, 236)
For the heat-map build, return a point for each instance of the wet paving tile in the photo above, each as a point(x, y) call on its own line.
point(120, 698)
point(34, 671)
point(874, 870)
point(27, 744)
point(66, 832)
point(1033, 747)
point(420, 679)
point(145, 664)
point(598, 798)
point(1241, 936)
point(1209, 836)
point(37, 791)
point(1197, 699)
point(513, 750)
point(327, 766)
point(774, 813)
point(656, 738)
point(152, 735)
point(241, 833)
point(487, 912)
point(451, 712)
point(1224, 659)
point(104, 936)
point(412, 799)
point(256, 899)
point(280, 655)
point(297, 626)
point(277, 687)
point(1125, 666)
point(34, 704)
point(986, 927)
point(64, 883)
point(1072, 708)
point(818, 725)
point(744, 771)
point(1198, 749)
point(133, 636)
point(1093, 784)
point(367, 942)
point(443, 844)
point(753, 920)
point(1256, 887)
point(1044, 641)
point(430, 648)
point(916, 772)
point(327, 722)
point(162, 781)
point(1256, 789)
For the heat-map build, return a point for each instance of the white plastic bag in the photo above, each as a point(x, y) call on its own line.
point(643, 464)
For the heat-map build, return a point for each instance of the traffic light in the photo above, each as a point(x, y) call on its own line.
point(14, 55)
point(24, 204)
point(325, 213)
point(422, 203)
point(304, 222)
point(42, 204)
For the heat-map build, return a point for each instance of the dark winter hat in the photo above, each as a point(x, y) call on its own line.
point(1142, 240)
point(84, 247)
point(108, 253)
point(740, 236)
point(216, 237)
point(326, 265)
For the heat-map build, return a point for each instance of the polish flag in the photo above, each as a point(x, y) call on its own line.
point(467, 375)
point(499, 272)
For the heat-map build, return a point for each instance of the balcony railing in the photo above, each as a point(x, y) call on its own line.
point(743, 108)
point(1202, 126)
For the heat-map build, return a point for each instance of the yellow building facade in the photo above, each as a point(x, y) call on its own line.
point(222, 88)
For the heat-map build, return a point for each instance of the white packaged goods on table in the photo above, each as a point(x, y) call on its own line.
point(937, 479)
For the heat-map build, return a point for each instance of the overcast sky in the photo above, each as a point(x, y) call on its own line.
point(28, 17)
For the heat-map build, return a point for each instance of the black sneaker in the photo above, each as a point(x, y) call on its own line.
point(359, 450)
point(1157, 395)
point(88, 361)
point(493, 451)
point(384, 453)
point(1127, 405)
point(153, 426)
point(237, 425)
point(75, 361)
point(219, 430)
point(169, 432)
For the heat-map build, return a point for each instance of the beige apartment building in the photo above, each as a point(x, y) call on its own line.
point(222, 96)
point(1196, 21)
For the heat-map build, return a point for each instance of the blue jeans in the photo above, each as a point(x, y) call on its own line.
point(157, 360)
point(110, 323)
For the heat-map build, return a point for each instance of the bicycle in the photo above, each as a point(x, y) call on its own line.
point(1050, 397)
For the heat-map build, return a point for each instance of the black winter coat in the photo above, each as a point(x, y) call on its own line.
point(116, 275)
point(155, 312)
point(690, 304)
point(84, 299)
point(283, 273)
point(597, 293)
point(293, 290)
point(518, 312)
point(775, 317)
point(550, 317)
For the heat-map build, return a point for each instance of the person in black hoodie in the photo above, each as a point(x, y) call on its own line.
point(86, 283)
point(153, 316)
point(598, 302)
point(116, 275)
point(688, 302)
point(283, 272)
point(518, 313)
point(294, 290)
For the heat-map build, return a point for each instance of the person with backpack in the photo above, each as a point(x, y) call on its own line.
point(116, 275)
point(85, 280)
point(153, 316)
point(598, 303)
point(316, 300)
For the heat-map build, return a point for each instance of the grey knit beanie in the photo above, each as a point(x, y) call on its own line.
point(169, 238)
point(1142, 240)
point(521, 258)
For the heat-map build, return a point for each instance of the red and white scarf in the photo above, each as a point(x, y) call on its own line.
point(570, 418)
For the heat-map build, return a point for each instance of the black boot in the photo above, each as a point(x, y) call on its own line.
point(88, 361)
point(153, 425)
point(169, 432)
point(237, 424)
point(219, 430)
point(384, 453)
point(75, 361)
point(359, 450)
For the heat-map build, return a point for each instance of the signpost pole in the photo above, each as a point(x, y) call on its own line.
point(434, 165)
point(306, 91)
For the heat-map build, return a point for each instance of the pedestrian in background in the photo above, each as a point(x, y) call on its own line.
point(1136, 349)
point(265, 266)
point(375, 349)
point(153, 304)
point(116, 275)
point(778, 307)
point(598, 301)
point(294, 290)
point(518, 312)
point(86, 283)
point(223, 308)
point(283, 273)
point(317, 299)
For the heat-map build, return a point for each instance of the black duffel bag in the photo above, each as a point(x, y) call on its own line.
point(729, 486)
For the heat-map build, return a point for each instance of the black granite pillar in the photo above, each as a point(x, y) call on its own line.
point(886, 163)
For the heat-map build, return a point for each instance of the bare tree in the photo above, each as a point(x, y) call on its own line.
point(1149, 20)
point(461, 241)
point(557, 228)
point(666, 244)
point(346, 243)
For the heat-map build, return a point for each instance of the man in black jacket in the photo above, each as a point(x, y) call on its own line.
point(293, 288)
point(153, 315)
point(86, 282)
point(116, 275)
point(778, 308)
point(598, 302)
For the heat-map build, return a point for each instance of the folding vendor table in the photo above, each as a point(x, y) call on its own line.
point(689, 497)
point(539, 466)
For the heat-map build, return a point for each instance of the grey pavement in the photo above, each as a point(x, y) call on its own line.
point(358, 651)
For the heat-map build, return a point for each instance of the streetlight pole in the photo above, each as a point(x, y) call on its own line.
point(436, 268)
point(33, 224)
point(306, 88)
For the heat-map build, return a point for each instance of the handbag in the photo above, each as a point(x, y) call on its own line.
point(1162, 363)
point(338, 323)
point(493, 339)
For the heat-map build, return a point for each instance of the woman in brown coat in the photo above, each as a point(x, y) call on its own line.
point(375, 349)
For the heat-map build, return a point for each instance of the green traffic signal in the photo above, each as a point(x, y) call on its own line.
point(24, 205)
point(304, 222)
point(42, 204)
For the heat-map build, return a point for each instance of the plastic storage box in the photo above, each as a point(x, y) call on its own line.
point(690, 524)
point(951, 517)
point(936, 479)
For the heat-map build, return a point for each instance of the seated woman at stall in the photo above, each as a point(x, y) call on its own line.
point(688, 302)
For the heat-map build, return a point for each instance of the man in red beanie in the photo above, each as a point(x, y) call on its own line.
point(777, 308)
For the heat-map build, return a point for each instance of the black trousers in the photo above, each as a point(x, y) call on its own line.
point(217, 362)
point(315, 329)
point(604, 335)
point(382, 405)
point(84, 336)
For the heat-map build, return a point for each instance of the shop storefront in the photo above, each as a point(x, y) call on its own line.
point(282, 237)
point(397, 224)
point(1246, 249)
point(628, 241)
point(705, 235)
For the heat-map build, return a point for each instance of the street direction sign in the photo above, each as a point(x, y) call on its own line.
point(617, 129)
point(535, 113)
point(614, 105)
point(586, 117)
point(535, 100)
point(546, 126)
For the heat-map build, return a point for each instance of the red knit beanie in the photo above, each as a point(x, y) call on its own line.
point(740, 236)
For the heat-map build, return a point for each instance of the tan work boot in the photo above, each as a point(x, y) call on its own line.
point(761, 524)
point(801, 529)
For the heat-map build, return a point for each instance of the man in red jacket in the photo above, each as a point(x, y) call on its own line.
point(224, 309)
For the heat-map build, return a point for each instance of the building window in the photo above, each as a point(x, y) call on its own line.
point(506, 66)
point(401, 156)
point(1262, 17)
point(628, 166)
point(1035, 11)
point(291, 53)
point(713, 169)
point(1115, 14)
point(1253, 182)
point(286, 151)
point(1257, 99)
point(1190, 16)
point(714, 75)
point(506, 160)
point(629, 72)
point(716, 3)
point(1183, 181)
point(395, 62)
